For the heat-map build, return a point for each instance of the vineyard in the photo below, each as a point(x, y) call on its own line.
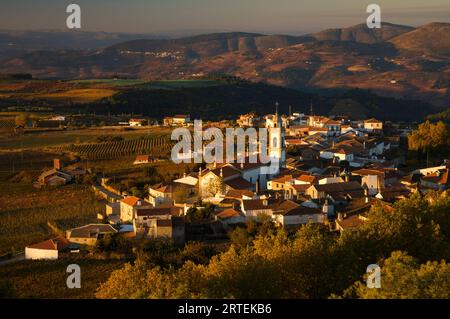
point(157, 147)
point(7, 123)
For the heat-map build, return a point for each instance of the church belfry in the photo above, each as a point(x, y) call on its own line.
point(277, 143)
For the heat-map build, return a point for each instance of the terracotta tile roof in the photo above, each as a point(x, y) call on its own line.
point(228, 213)
point(301, 210)
point(134, 201)
point(351, 222)
point(58, 243)
point(352, 188)
point(283, 179)
point(278, 206)
point(165, 189)
point(247, 166)
point(258, 204)
point(372, 120)
point(300, 188)
point(163, 210)
point(308, 179)
point(318, 129)
point(227, 171)
point(239, 183)
point(331, 122)
point(238, 193)
point(142, 158)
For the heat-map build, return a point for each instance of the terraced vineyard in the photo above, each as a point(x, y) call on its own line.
point(7, 123)
point(156, 147)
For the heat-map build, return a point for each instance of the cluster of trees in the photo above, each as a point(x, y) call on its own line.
point(409, 240)
point(430, 138)
point(197, 214)
point(403, 277)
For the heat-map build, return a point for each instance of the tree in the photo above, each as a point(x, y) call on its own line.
point(198, 253)
point(429, 138)
point(214, 186)
point(403, 278)
point(22, 119)
point(313, 263)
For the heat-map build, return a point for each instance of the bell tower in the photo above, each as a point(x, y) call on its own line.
point(277, 143)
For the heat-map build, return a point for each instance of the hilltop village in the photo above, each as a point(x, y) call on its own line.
point(330, 170)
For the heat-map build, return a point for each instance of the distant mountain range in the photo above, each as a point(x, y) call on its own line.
point(394, 61)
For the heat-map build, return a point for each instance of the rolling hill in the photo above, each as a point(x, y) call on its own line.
point(360, 33)
point(394, 61)
point(431, 39)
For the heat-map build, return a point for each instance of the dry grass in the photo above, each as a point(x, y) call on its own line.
point(78, 95)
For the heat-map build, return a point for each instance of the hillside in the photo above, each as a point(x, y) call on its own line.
point(395, 61)
point(360, 33)
point(432, 39)
point(228, 98)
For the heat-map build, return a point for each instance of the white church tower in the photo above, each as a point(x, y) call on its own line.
point(277, 142)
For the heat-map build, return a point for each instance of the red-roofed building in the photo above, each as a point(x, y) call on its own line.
point(47, 249)
point(136, 122)
point(162, 195)
point(230, 216)
point(142, 159)
point(129, 206)
point(373, 125)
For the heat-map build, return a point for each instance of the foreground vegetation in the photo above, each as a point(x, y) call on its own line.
point(313, 263)
point(47, 279)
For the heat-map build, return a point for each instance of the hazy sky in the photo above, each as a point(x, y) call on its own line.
point(195, 16)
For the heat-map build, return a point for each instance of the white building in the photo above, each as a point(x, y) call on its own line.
point(46, 250)
point(373, 125)
point(129, 207)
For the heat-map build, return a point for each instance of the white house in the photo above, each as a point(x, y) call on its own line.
point(129, 206)
point(230, 217)
point(47, 249)
point(161, 195)
point(136, 122)
point(373, 125)
point(299, 216)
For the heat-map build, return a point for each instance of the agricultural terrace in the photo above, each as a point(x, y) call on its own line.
point(59, 138)
point(157, 147)
point(25, 212)
point(47, 279)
